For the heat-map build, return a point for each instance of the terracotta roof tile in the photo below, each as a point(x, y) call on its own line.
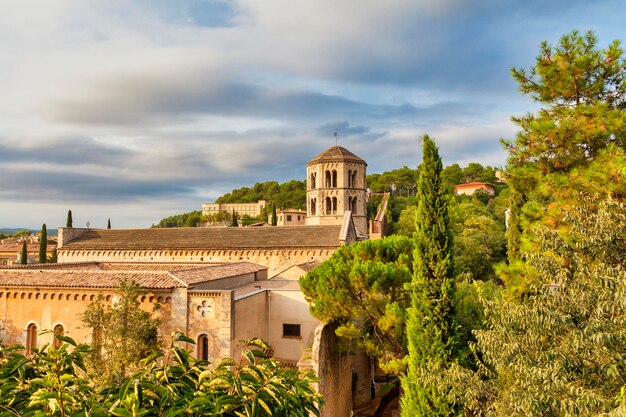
point(208, 238)
point(335, 154)
point(86, 279)
point(215, 272)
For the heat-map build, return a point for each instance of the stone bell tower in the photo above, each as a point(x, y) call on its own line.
point(335, 184)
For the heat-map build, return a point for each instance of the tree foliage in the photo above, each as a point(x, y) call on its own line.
point(54, 382)
point(122, 333)
point(24, 253)
point(69, 221)
point(560, 350)
point(43, 244)
point(360, 288)
point(430, 322)
point(582, 89)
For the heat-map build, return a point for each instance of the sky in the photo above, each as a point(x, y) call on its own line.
point(138, 110)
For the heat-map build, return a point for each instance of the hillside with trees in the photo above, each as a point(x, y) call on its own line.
point(532, 323)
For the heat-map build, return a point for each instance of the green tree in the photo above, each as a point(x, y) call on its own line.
point(69, 219)
point(53, 258)
point(43, 244)
point(233, 220)
point(559, 351)
point(582, 89)
point(360, 288)
point(430, 327)
point(274, 216)
point(122, 333)
point(109, 223)
point(24, 254)
point(53, 383)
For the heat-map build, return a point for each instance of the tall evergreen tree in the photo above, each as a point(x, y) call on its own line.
point(430, 328)
point(43, 244)
point(24, 255)
point(274, 216)
point(69, 219)
point(233, 220)
point(109, 223)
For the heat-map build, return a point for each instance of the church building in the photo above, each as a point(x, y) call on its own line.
point(218, 285)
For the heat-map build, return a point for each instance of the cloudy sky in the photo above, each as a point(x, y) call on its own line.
point(137, 110)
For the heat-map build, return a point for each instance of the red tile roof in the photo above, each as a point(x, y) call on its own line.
point(336, 154)
point(208, 238)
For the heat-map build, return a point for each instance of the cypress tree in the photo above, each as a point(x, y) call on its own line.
point(109, 223)
point(430, 327)
point(43, 244)
point(24, 255)
point(69, 219)
point(274, 217)
point(233, 220)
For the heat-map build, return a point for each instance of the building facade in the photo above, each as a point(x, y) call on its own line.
point(240, 209)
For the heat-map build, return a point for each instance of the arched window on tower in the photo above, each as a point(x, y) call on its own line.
point(334, 179)
point(329, 206)
point(313, 206)
point(312, 184)
point(203, 347)
point(58, 331)
point(334, 205)
point(327, 179)
point(353, 181)
point(349, 178)
point(31, 337)
point(353, 205)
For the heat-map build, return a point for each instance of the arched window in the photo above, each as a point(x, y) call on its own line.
point(313, 206)
point(58, 331)
point(312, 181)
point(334, 179)
point(353, 205)
point(329, 206)
point(353, 180)
point(31, 337)
point(328, 179)
point(203, 347)
point(334, 205)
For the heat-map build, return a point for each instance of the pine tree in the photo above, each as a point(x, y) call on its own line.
point(24, 255)
point(274, 217)
point(69, 219)
point(233, 220)
point(430, 328)
point(43, 244)
point(109, 224)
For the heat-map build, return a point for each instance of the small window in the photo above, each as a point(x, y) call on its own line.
point(291, 330)
point(298, 218)
point(203, 347)
point(289, 217)
point(31, 338)
point(58, 331)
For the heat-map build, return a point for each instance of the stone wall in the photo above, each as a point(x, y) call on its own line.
point(276, 260)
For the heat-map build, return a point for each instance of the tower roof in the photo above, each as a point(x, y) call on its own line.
point(336, 154)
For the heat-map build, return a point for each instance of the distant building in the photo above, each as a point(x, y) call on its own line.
point(11, 250)
point(470, 188)
point(241, 209)
point(289, 217)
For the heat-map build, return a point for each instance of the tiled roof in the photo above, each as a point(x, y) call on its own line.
point(474, 184)
point(336, 154)
point(15, 245)
point(215, 272)
point(86, 279)
point(154, 266)
point(208, 238)
point(145, 274)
